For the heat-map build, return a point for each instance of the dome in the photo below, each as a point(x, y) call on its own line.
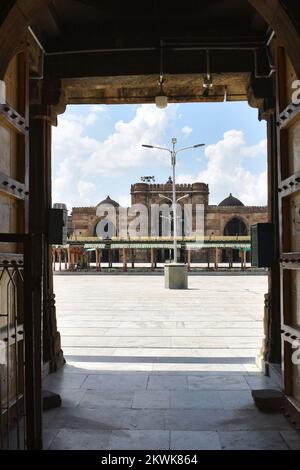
point(109, 201)
point(231, 201)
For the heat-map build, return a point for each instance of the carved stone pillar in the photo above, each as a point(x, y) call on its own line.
point(59, 259)
point(152, 259)
point(274, 349)
point(261, 94)
point(262, 358)
point(40, 190)
point(216, 258)
point(66, 259)
point(97, 259)
point(124, 260)
point(189, 255)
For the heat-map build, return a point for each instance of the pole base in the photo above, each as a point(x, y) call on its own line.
point(176, 276)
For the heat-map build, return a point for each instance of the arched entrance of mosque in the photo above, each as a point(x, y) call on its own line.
point(234, 227)
point(105, 230)
point(28, 108)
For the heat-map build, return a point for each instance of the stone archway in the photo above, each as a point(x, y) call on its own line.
point(234, 227)
point(14, 20)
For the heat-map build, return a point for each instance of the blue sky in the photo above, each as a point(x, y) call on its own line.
point(97, 150)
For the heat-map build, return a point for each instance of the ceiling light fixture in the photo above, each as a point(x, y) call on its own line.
point(207, 81)
point(225, 94)
point(161, 99)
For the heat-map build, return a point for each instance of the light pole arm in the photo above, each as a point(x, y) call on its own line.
point(182, 197)
point(191, 147)
point(158, 148)
point(165, 197)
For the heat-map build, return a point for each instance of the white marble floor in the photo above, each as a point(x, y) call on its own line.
point(150, 368)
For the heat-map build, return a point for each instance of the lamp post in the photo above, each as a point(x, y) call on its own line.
point(173, 152)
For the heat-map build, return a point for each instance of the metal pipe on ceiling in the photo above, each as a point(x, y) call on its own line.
point(148, 49)
point(36, 39)
point(91, 51)
point(176, 46)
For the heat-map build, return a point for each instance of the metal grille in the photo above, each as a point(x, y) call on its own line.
point(20, 327)
point(12, 373)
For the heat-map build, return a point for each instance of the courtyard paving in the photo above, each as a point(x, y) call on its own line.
point(150, 368)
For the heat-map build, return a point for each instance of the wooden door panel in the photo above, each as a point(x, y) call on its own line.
point(290, 219)
point(12, 221)
point(288, 128)
point(294, 147)
point(290, 77)
point(294, 285)
point(296, 382)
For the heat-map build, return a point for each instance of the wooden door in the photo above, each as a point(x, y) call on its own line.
point(16, 326)
point(288, 130)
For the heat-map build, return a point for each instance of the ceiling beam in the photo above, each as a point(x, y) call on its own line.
point(141, 62)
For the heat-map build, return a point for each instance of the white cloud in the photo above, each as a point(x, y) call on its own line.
point(81, 157)
point(62, 183)
point(255, 150)
point(123, 148)
point(91, 119)
point(98, 108)
point(85, 188)
point(187, 130)
point(85, 120)
point(124, 200)
point(226, 170)
point(185, 179)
